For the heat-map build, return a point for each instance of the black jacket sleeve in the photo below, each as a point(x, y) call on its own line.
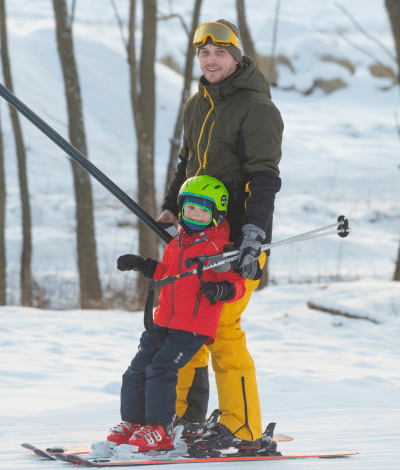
point(261, 188)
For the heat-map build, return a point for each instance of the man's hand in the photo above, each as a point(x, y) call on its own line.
point(249, 246)
point(167, 217)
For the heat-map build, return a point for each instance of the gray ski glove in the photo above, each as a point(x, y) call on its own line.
point(249, 246)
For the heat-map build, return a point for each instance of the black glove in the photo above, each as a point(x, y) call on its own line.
point(130, 262)
point(146, 266)
point(214, 291)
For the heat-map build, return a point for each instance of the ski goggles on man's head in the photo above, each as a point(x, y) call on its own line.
point(220, 35)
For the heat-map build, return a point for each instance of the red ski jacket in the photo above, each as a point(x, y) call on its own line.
point(182, 305)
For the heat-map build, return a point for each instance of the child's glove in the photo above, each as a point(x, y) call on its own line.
point(146, 266)
point(214, 291)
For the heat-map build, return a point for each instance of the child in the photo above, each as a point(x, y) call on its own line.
point(184, 320)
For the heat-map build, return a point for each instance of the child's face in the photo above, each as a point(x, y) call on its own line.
point(196, 213)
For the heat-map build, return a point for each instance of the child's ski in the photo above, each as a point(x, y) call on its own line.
point(50, 452)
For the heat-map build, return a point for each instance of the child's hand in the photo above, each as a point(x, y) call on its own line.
point(146, 266)
point(130, 262)
point(214, 291)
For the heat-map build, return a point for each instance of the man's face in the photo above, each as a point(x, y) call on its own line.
point(216, 63)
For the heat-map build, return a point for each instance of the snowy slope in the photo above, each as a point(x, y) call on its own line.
point(331, 382)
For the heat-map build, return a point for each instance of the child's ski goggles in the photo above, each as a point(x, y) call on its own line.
point(220, 35)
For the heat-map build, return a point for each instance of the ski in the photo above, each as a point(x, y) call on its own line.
point(80, 460)
point(50, 452)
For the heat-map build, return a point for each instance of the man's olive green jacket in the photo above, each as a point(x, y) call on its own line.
point(233, 132)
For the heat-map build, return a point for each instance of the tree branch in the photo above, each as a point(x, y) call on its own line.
point(361, 49)
point(175, 15)
point(313, 306)
point(362, 30)
point(120, 24)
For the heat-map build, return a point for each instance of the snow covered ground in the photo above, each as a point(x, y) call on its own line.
point(330, 382)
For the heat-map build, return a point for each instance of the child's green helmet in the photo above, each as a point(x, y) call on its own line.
point(213, 193)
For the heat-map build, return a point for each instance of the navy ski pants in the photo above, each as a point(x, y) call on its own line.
point(148, 392)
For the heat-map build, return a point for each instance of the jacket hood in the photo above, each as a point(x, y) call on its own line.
point(247, 77)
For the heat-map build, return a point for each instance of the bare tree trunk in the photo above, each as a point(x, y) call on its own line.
point(396, 276)
point(143, 108)
point(2, 224)
point(188, 77)
point(245, 36)
point(393, 8)
point(26, 255)
point(90, 288)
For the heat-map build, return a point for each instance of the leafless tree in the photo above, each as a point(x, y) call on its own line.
point(188, 77)
point(245, 36)
point(2, 224)
point(393, 9)
point(89, 281)
point(142, 91)
point(26, 255)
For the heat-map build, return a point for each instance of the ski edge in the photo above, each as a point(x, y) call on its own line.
point(76, 459)
point(38, 452)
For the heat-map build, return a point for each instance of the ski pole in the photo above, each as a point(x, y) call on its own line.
point(341, 229)
point(81, 160)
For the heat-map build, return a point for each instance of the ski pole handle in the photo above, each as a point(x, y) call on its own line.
point(189, 262)
point(162, 282)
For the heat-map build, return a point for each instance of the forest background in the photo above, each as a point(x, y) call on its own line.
point(113, 79)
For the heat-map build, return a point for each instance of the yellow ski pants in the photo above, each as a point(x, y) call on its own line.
point(234, 370)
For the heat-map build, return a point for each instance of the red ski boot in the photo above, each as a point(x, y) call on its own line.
point(153, 437)
point(121, 433)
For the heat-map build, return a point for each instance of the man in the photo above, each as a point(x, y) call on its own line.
point(233, 132)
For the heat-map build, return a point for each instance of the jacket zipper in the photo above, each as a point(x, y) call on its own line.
point(201, 134)
point(197, 304)
point(208, 143)
point(173, 288)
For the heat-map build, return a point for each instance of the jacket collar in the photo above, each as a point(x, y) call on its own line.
point(208, 234)
point(246, 76)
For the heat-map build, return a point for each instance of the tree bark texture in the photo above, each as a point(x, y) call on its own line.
point(26, 255)
point(2, 224)
point(89, 281)
point(393, 9)
point(245, 36)
point(188, 77)
point(143, 108)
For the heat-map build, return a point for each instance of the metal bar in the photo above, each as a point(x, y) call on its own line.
point(81, 160)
